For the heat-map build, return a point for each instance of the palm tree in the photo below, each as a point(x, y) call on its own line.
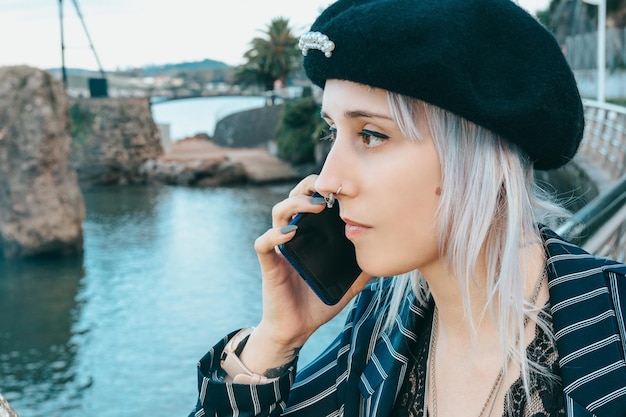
point(271, 57)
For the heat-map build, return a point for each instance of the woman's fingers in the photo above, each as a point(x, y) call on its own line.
point(275, 236)
point(299, 201)
point(284, 211)
point(305, 187)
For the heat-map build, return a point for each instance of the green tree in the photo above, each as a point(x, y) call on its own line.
point(299, 130)
point(271, 57)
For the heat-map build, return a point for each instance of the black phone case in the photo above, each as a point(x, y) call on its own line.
point(322, 254)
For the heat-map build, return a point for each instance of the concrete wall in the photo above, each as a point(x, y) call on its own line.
point(248, 129)
point(615, 84)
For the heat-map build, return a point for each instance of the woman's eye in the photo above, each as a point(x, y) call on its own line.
point(372, 139)
point(329, 134)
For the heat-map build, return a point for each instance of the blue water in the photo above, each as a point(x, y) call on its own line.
point(199, 115)
point(166, 272)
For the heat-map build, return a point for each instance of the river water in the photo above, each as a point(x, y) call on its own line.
point(166, 272)
point(199, 115)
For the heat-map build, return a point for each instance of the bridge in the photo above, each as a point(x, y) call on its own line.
point(600, 226)
point(271, 96)
point(205, 94)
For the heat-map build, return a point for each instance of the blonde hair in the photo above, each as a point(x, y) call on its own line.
point(489, 201)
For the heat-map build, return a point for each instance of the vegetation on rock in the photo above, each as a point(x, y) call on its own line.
point(81, 123)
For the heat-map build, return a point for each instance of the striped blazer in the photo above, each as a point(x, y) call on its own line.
point(361, 372)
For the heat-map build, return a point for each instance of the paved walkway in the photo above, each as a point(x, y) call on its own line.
point(259, 164)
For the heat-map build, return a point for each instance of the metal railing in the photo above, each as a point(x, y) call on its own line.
point(600, 226)
point(604, 140)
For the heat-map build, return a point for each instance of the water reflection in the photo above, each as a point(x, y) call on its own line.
point(166, 272)
point(36, 316)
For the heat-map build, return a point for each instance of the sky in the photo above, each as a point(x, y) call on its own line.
point(135, 33)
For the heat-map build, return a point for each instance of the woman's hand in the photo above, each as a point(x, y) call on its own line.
point(291, 310)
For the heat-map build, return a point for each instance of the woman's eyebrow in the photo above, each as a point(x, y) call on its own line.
point(354, 114)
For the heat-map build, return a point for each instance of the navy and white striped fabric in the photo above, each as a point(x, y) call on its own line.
point(361, 373)
point(588, 304)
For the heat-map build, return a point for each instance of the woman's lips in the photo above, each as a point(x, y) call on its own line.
point(354, 229)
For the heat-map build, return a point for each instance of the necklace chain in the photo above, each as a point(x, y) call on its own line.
point(495, 388)
point(431, 365)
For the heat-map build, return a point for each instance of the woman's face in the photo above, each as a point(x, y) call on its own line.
point(390, 184)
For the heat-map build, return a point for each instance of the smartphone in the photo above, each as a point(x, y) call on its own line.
point(322, 254)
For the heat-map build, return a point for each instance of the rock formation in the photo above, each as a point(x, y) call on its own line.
point(41, 206)
point(112, 138)
point(197, 161)
point(194, 161)
point(5, 408)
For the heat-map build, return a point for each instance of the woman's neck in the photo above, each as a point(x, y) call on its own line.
point(455, 324)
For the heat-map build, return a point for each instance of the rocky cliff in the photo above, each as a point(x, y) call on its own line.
point(112, 138)
point(41, 206)
point(5, 408)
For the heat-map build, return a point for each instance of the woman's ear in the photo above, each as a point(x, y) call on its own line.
point(438, 191)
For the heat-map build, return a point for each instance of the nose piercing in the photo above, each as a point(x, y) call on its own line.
point(330, 200)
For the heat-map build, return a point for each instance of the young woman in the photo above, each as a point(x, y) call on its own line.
point(439, 110)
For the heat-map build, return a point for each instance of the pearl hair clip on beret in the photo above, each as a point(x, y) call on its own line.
point(496, 66)
point(316, 40)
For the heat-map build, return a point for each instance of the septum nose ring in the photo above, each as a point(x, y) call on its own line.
point(330, 200)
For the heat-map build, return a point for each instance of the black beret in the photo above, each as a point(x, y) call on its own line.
point(487, 61)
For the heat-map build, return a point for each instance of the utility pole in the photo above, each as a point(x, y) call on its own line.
point(82, 21)
point(98, 87)
point(63, 71)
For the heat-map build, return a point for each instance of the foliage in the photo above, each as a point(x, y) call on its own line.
point(252, 75)
point(299, 131)
point(81, 123)
point(271, 57)
point(544, 17)
point(615, 5)
point(550, 17)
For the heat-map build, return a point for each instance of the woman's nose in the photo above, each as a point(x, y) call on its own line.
point(332, 176)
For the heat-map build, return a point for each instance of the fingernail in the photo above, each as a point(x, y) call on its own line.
point(288, 229)
point(318, 200)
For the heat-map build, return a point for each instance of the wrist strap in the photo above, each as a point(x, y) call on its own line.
point(235, 370)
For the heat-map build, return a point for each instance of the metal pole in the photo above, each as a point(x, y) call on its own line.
point(63, 71)
point(601, 49)
point(601, 60)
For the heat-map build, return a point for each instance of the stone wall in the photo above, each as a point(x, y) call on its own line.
point(41, 206)
point(112, 138)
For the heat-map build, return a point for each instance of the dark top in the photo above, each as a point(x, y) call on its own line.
point(362, 371)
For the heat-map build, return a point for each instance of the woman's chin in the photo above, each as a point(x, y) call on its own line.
point(380, 270)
